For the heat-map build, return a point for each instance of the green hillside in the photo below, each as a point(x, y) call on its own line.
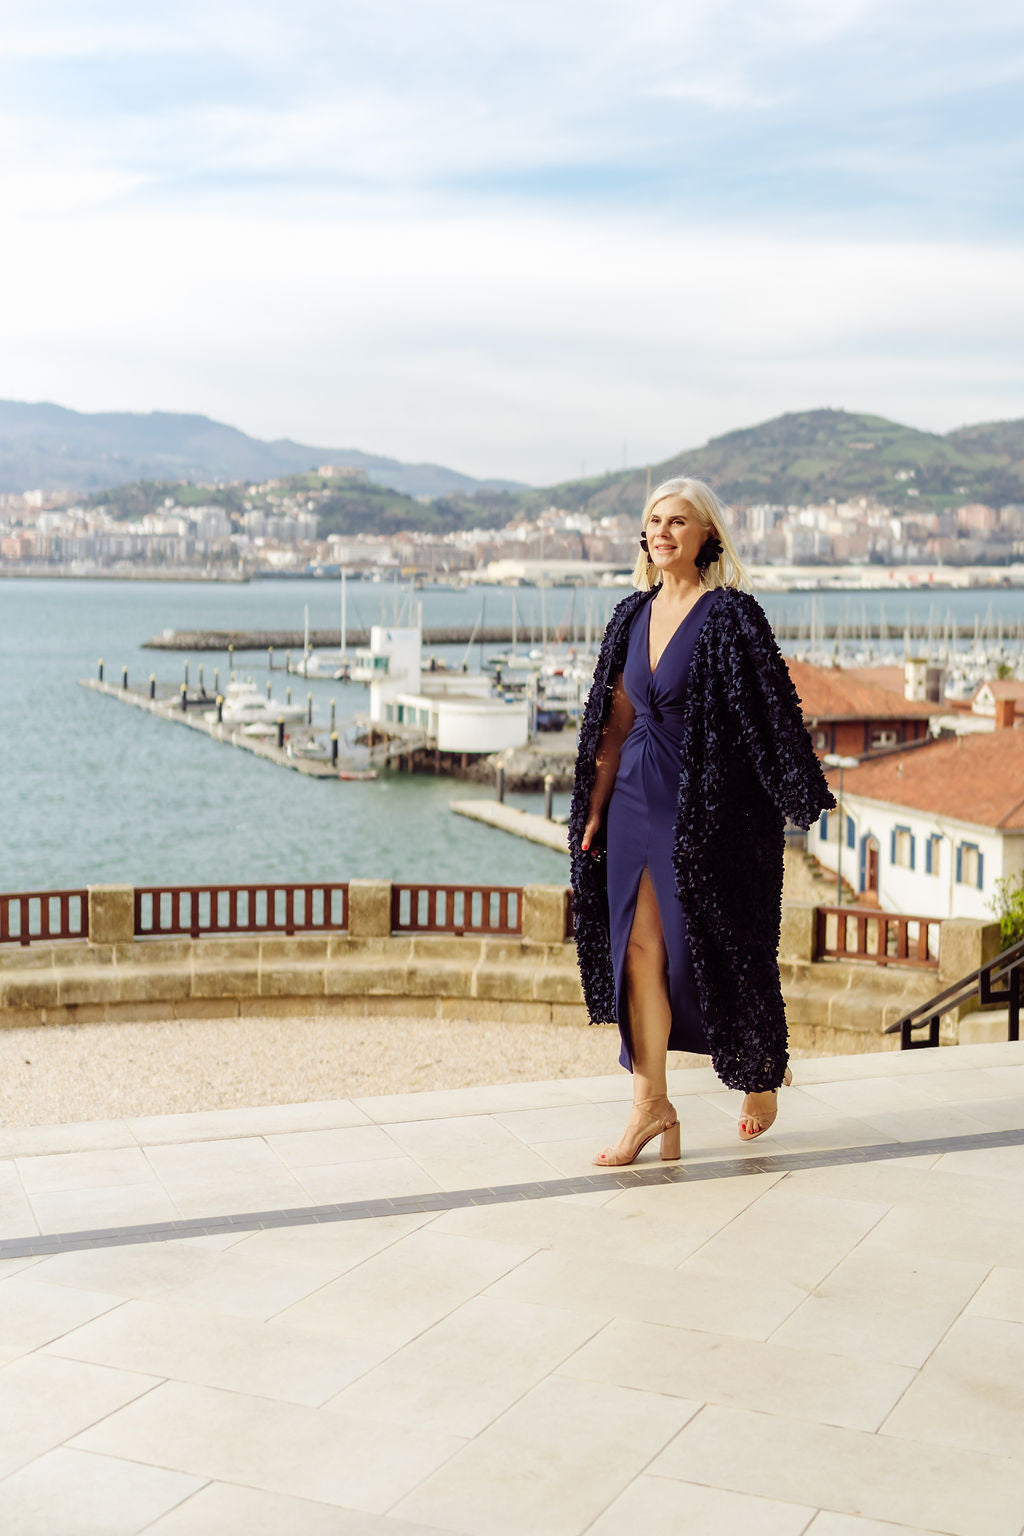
point(801, 457)
point(343, 506)
point(809, 456)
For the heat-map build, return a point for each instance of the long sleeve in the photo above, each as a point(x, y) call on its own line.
point(770, 717)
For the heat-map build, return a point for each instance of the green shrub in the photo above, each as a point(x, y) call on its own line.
point(1008, 906)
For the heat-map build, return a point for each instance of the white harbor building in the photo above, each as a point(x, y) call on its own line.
point(449, 711)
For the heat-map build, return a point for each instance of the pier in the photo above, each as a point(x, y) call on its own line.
point(536, 829)
point(166, 703)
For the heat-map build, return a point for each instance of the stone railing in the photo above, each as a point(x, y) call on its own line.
point(369, 969)
point(481, 972)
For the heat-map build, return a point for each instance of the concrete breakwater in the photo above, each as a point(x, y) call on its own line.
point(294, 639)
point(501, 634)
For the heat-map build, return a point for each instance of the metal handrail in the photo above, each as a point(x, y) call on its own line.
point(165, 911)
point(27, 917)
point(1008, 964)
point(456, 909)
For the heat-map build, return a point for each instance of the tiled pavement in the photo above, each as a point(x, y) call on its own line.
point(443, 1319)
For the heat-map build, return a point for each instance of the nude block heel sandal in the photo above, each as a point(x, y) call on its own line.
point(762, 1122)
point(661, 1121)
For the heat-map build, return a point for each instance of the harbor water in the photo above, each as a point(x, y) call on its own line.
point(94, 792)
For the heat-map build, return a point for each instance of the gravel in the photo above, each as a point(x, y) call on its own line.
point(65, 1073)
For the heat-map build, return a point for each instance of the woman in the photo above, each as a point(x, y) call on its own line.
point(692, 755)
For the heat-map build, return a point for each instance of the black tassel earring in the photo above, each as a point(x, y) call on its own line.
point(709, 552)
point(643, 543)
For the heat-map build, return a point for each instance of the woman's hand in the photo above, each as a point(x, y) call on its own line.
point(590, 834)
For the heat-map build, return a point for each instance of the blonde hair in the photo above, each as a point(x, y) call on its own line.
point(728, 570)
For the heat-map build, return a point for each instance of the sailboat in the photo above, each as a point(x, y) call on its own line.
point(328, 663)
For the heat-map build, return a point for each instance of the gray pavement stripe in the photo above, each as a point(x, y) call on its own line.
point(446, 1200)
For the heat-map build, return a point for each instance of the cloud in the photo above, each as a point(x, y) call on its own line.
point(518, 349)
point(510, 235)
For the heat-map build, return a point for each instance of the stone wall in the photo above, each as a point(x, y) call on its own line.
point(833, 1007)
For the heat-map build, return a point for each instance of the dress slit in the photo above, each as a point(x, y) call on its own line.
point(621, 989)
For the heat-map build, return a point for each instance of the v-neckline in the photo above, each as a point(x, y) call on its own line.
point(653, 671)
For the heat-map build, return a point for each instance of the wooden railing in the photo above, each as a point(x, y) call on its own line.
point(165, 910)
point(28, 916)
point(880, 938)
point(456, 909)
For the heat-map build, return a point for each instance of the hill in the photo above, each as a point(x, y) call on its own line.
point(343, 506)
point(50, 448)
point(808, 456)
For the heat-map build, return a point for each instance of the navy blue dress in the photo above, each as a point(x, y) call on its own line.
point(641, 817)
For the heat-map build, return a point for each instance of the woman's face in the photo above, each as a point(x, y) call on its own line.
point(675, 535)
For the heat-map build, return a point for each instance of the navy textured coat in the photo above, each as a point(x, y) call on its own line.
point(746, 767)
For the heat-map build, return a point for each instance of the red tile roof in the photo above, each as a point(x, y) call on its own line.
point(892, 679)
point(976, 778)
point(832, 693)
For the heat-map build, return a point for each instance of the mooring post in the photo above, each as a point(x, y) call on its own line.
point(202, 685)
point(334, 749)
point(216, 679)
point(288, 695)
point(186, 677)
point(268, 687)
point(332, 714)
point(124, 677)
point(280, 734)
point(152, 686)
point(184, 698)
point(309, 709)
point(101, 669)
point(220, 709)
point(500, 783)
point(549, 785)
point(270, 658)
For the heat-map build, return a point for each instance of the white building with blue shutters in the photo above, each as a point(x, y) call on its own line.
point(930, 830)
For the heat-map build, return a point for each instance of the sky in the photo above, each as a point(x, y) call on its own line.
point(524, 238)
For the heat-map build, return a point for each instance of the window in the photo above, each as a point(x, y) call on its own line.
point(823, 827)
point(820, 740)
point(931, 854)
point(970, 865)
point(901, 850)
point(883, 738)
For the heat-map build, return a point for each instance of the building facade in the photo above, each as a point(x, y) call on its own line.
point(931, 831)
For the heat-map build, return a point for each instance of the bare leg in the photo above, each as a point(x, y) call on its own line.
point(650, 1020)
point(650, 1012)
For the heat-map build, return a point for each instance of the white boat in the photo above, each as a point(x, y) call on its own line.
point(333, 664)
point(245, 705)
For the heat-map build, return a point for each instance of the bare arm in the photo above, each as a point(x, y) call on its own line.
point(616, 728)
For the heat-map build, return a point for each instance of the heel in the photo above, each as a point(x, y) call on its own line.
point(671, 1149)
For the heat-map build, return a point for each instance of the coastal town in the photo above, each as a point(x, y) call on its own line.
point(278, 528)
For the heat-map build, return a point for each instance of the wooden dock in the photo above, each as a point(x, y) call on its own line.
point(167, 706)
